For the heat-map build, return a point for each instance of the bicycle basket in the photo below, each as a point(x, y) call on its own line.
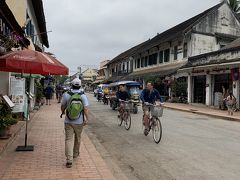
point(157, 112)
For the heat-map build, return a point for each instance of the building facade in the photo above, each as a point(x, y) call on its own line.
point(213, 75)
point(165, 53)
point(30, 16)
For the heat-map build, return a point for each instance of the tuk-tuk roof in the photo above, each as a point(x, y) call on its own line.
point(127, 83)
point(103, 85)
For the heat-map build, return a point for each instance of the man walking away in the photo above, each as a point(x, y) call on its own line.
point(48, 93)
point(75, 104)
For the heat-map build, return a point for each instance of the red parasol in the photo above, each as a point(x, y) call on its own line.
point(32, 62)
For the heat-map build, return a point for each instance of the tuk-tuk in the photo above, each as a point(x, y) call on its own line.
point(132, 87)
point(113, 88)
point(134, 90)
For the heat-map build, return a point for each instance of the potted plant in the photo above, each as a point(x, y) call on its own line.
point(39, 94)
point(6, 120)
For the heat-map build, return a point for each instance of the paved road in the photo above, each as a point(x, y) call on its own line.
point(192, 146)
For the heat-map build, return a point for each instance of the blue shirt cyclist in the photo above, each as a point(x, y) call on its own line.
point(150, 94)
point(122, 93)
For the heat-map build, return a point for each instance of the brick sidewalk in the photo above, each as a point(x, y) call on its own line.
point(47, 161)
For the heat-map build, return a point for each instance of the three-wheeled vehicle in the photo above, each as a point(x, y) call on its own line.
point(113, 88)
point(132, 87)
point(134, 90)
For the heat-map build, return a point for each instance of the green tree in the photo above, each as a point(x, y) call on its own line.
point(234, 4)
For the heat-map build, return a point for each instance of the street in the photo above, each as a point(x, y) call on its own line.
point(192, 146)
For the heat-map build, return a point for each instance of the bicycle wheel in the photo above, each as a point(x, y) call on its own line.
point(156, 130)
point(120, 120)
point(127, 119)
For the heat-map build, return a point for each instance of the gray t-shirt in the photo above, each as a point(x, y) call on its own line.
point(65, 100)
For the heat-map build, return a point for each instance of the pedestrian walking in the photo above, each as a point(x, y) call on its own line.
point(75, 105)
point(231, 101)
point(48, 94)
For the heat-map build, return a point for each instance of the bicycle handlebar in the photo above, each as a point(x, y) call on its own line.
point(150, 104)
point(129, 101)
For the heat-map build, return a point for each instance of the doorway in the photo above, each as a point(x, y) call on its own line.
point(199, 95)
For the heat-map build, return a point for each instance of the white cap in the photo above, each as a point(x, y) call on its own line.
point(76, 82)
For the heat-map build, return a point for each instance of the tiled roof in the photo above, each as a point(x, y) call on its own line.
point(179, 29)
point(167, 35)
point(127, 53)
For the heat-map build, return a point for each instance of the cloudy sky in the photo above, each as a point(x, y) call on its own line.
point(85, 32)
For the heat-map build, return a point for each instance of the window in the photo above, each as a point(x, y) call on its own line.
point(135, 64)
point(131, 65)
point(185, 50)
point(142, 62)
point(166, 55)
point(146, 61)
point(127, 66)
point(155, 58)
point(119, 67)
point(138, 63)
point(161, 57)
point(175, 52)
point(112, 70)
point(150, 61)
point(123, 66)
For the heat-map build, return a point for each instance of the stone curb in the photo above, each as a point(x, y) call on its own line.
point(229, 118)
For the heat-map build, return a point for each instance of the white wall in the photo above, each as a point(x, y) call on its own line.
point(222, 21)
point(5, 79)
point(203, 44)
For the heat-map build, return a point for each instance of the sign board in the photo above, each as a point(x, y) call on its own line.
point(8, 101)
point(17, 92)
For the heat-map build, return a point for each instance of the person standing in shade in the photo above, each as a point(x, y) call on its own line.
point(48, 94)
point(73, 127)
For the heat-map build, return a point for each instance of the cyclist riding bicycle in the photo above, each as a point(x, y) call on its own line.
point(149, 95)
point(122, 94)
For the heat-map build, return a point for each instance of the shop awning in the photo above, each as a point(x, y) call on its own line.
point(27, 75)
point(161, 71)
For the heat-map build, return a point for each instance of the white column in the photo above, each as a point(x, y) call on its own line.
point(208, 89)
point(32, 90)
point(236, 91)
point(190, 89)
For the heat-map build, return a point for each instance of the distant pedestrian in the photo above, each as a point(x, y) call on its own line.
point(59, 91)
point(48, 94)
point(75, 103)
point(231, 102)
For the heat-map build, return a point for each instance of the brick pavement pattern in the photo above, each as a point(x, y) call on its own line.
point(47, 161)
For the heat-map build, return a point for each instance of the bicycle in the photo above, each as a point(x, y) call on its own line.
point(153, 122)
point(124, 114)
